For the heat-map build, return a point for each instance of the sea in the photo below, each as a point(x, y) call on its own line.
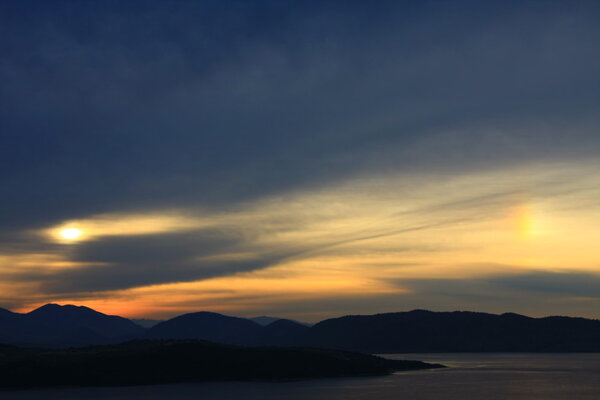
point(485, 376)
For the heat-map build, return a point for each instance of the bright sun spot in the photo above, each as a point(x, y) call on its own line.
point(70, 233)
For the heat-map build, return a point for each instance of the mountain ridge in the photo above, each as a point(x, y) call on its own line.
point(398, 332)
point(209, 326)
point(53, 325)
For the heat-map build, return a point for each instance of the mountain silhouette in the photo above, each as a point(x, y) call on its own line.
point(53, 325)
point(15, 329)
point(145, 322)
point(459, 331)
point(283, 332)
point(401, 332)
point(208, 326)
point(266, 320)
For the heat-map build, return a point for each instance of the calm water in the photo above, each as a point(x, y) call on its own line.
point(471, 377)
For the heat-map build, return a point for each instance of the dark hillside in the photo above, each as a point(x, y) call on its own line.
point(144, 362)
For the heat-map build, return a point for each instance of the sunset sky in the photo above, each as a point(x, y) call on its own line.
point(300, 159)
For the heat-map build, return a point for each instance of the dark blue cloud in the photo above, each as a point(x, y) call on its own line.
point(127, 106)
point(113, 263)
point(111, 106)
point(534, 292)
point(532, 283)
point(553, 284)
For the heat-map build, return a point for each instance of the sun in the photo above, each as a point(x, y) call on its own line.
point(71, 233)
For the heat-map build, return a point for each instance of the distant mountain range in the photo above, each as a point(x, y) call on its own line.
point(402, 332)
point(232, 330)
point(425, 331)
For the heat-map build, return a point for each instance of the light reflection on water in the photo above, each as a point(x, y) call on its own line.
point(501, 376)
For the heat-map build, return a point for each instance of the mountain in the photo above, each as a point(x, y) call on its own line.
point(231, 330)
point(402, 332)
point(266, 320)
point(143, 362)
point(426, 331)
point(208, 326)
point(53, 325)
point(146, 323)
point(283, 332)
point(14, 328)
point(69, 317)
point(5, 313)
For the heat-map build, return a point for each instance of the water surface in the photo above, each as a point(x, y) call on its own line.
point(470, 376)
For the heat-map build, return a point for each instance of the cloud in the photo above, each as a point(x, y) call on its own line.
point(120, 263)
point(201, 104)
point(535, 292)
point(376, 231)
point(551, 293)
point(532, 283)
point(564, 284)
point(211, 108)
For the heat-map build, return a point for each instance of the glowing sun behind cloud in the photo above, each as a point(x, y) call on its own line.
point(121, 225)
point(71, 234)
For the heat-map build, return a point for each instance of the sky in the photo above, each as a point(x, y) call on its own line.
point(299, 158)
